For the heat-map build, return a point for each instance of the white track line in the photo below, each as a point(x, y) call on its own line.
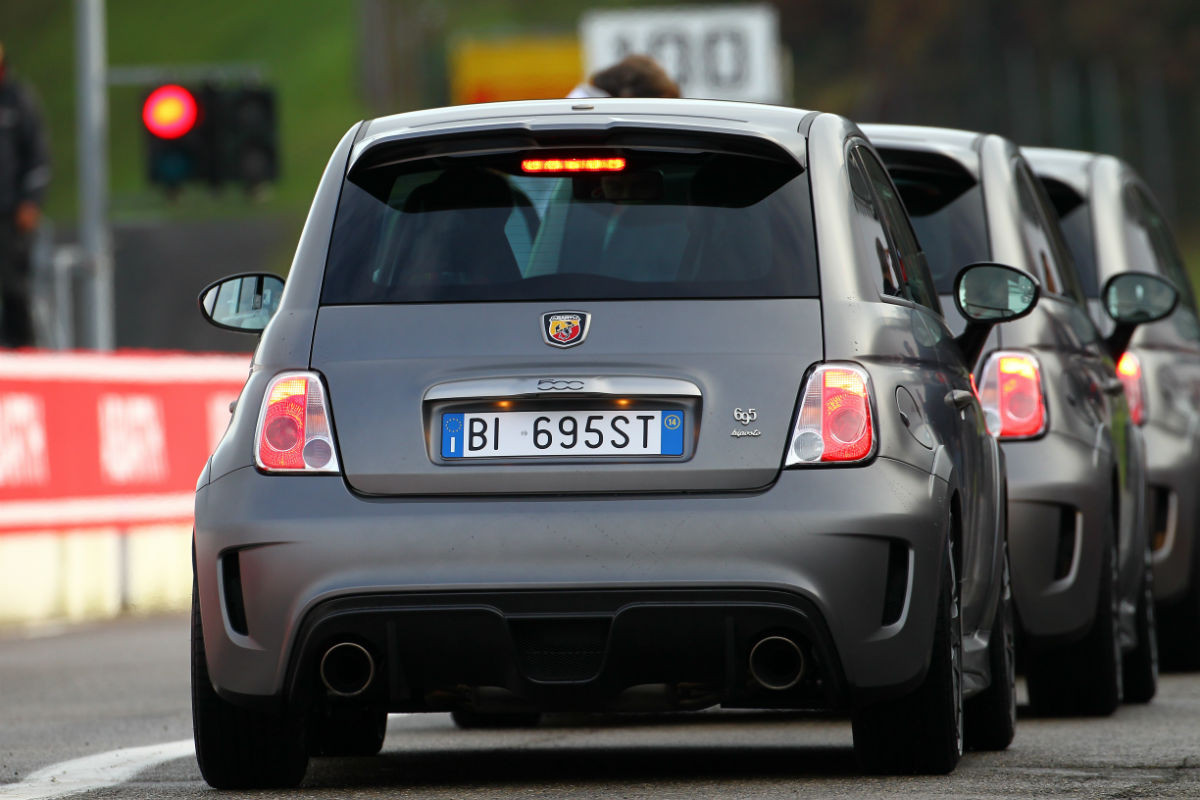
point(94, 772)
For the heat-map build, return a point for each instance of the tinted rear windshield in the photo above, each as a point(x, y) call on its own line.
point(588, 223)
point(1075, 219)
point(945, 204)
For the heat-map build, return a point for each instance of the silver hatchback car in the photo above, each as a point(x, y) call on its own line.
point(1076, 462)
point(1113, 226)
point(605, 405)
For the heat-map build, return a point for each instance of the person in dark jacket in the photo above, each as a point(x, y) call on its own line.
point(24, 174)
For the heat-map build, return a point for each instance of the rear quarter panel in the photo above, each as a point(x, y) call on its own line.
point(908, 347)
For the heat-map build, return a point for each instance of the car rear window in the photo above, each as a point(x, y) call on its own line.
point(945, 204)
point(670, 222)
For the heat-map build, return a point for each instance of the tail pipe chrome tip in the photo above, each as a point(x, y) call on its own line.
point(347, 669)
point(776, 663)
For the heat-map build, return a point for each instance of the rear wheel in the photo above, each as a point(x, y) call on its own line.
point(240, 748)
point(1141, 663)
point(922, 732)
point(468, 719)
point(1085, 678)
point(992, 714)
point(350, 732)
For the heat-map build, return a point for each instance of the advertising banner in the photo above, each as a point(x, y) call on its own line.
point(108, 439)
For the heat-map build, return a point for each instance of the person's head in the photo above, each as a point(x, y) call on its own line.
point(635, 76)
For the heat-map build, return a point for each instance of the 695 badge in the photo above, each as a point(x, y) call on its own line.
point(565, 328)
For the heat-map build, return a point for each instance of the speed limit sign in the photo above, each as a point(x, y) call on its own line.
point(722, 52)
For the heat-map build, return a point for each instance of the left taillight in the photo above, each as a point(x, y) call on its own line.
point(835, 423)
point(1129, 370)
point(294, 433)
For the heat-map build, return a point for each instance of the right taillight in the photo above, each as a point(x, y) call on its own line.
point(1010, 391)
point(1129, 370)
point(834, 423)
point(294, 434)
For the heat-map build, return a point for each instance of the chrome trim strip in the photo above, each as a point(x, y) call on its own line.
point(561, 387)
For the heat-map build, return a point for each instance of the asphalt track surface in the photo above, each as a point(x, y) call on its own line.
point(101, 711)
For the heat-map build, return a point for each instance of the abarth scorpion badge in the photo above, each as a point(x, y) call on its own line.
point(565, 328)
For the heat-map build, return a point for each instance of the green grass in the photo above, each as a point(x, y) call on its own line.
point(307, 49)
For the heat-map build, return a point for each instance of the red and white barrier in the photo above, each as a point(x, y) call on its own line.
point(108, 439)
point(99, 456)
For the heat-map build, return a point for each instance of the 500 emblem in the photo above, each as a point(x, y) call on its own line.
point(745, 417)
point(558, 385)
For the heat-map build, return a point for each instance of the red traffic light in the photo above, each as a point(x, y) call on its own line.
point(169, 112)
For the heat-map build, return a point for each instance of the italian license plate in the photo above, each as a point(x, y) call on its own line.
point(517, 434)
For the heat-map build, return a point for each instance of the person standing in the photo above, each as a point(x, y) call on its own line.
point(24, 175)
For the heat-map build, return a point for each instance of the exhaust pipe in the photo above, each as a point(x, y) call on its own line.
point(347, 669)
point(776, 663)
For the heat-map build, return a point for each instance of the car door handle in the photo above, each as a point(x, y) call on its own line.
point(1112, 386)
point(959, 399)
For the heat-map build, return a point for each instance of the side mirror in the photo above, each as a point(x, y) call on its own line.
point(1132, 299)
point(987, 294)
point(242, 302)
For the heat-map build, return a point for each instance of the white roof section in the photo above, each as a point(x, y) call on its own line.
point(715, 116)
point(960, 145)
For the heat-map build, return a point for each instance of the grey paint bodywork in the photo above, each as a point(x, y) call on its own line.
point(398, 522)
point(1170, 363)
point(1090, 444)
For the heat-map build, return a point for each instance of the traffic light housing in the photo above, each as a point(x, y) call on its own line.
point(211, 134)
point(245, 136)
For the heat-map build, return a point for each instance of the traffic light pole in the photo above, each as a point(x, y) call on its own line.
point(92, 140)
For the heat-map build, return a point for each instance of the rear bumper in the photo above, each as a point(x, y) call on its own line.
point(813, 554)
point(1057, 496)
point(599, 650)
point(1172, 464)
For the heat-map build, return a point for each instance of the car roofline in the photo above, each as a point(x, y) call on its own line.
point(1072, 167)
point(593, 114)
point(961, 146)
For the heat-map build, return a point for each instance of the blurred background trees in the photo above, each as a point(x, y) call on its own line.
point(1121, 76)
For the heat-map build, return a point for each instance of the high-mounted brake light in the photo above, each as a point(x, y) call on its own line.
point(835, 422)
point(1010, 392)
point(294, 434)
point(1129, 370)
point(608, 164)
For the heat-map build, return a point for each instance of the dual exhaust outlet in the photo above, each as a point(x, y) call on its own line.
point(777, 663)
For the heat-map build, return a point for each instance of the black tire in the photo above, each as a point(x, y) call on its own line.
point(1141, 663)
point(239, 748)
point(921, 733)
point(991, 715)
point(475, 720)
point(349, 732)
point(1084, 678)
